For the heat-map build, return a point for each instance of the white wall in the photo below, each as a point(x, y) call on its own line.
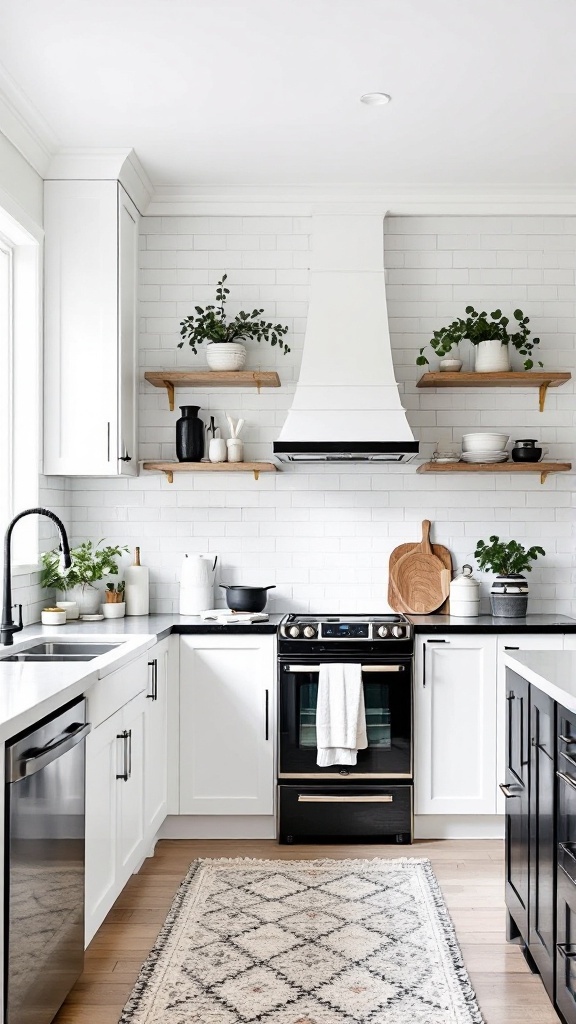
point(20, 183)
point(323, 535)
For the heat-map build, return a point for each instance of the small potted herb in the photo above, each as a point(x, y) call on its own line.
point(509, 560)
point(225, 349)
point(114, 606)
point(90, 564)
point(490, 337)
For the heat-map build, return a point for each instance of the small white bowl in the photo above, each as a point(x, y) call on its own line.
point(484, 442)
point(115, 610)
point(53, 616)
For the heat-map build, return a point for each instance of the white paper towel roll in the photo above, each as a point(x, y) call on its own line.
point(137, 592)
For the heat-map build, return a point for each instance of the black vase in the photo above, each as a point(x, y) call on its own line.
point(189, 435)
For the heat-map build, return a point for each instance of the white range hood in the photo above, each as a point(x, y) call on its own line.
point(346, 407)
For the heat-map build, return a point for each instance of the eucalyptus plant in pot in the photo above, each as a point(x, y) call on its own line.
point(225, 337)
point(90, 564)
point(509, 560)
point(490, 337)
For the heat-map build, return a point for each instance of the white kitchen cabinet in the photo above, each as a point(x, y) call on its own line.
point(90, 338)
point(132, 824)
point(156, 738)
point(512, 642)
point(227, 724)
point(455, 724)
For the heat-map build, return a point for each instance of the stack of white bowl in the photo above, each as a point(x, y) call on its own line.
point(477, 448)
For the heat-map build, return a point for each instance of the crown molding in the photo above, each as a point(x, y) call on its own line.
point(120, 165)
point(24, 126)
point(302, 200)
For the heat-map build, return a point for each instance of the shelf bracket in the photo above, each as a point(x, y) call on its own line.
point(542, 390)
point(256, 471)
point(258, 382)
point(543, 477)
point(169, 475)
point(170, 389)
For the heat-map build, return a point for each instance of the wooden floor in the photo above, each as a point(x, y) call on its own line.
point(470, 875)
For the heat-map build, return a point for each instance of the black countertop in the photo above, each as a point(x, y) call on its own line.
point(492, 624)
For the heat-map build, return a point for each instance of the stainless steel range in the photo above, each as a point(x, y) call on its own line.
point(372, 801)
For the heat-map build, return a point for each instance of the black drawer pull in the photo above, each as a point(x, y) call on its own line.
point(567, 757)
point(564, 951)
point(567, 849)
point(507, 790)
point(566, 778)
point(313, 799)
point(567, 739)
point(511, 648)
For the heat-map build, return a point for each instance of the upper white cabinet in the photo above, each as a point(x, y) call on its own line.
point(90, 340)
point(455, 727)
point(227, 724)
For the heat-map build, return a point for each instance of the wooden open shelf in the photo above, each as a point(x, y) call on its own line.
point(544, 468)
point(541, 379)
point(169, 468)
point(171, 379)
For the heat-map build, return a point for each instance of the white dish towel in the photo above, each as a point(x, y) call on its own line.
point(340, 714)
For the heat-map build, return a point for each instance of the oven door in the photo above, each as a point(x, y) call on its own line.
point(388, 702)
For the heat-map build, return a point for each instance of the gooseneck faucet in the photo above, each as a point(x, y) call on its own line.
point(8, 627)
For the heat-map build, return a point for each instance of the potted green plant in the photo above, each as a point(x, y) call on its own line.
point(90, 564)
point(225, 349)
point(490, 337)
point(509, 560)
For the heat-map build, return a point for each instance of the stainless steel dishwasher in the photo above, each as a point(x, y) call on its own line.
point(44, 865)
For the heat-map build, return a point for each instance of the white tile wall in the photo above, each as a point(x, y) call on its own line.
point(323, 535)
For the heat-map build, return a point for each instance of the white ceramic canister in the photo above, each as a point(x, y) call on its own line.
point(70, 607)
point(235, 448)
point(217, 450)
point(492, 356)
point(197, 578)
point(465, 594)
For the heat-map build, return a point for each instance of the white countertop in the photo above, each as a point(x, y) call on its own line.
point(31, 690)
point(553, 672)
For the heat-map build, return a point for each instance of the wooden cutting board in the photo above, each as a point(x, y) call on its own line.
point(397, 598)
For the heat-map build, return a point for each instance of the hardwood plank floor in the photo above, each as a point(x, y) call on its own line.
point(470, 875)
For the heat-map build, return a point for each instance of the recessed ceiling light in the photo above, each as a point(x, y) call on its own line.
point(375, 99)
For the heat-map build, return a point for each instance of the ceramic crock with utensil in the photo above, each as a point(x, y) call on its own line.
point(465, 594)
point(246, 599)
point(527, 450)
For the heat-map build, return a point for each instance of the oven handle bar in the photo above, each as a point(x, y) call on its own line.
point(311, 799)
point(365, 668)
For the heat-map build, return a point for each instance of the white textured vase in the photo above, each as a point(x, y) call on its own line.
point(226, 355)
point(87, 598)
point(492, 357)
point(235, 448)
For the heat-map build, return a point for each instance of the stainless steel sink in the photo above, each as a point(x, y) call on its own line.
point(61, 650)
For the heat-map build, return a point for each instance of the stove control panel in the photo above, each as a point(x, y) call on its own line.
point(345, 630)
point(342, 629)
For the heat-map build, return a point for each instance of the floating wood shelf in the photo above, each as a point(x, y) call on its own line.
point(544, 468)
point(171, 379)
point(541, 379)
point(169, 468)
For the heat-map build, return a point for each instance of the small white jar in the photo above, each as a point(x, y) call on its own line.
point(217, 450)
point(114, 610)
point(465, 594)
point(53, 617)
point(70, 607)
point(235, 447)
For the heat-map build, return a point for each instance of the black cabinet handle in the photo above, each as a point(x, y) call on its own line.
point(129, 744)
point(154, 666)
point(424, 657)
point(267, 734)
point(507, 791)
point(567, 739)
point(511, 648)
point(564, 951)
point(566, 778)
point(511, 695)
point(124, 737)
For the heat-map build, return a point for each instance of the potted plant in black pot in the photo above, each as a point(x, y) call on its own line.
point(225, 349)
point(509, 560)
point(490, 337)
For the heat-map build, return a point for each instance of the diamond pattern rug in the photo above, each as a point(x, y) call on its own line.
point(305, 942)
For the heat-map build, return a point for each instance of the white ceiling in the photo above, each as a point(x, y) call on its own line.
point(267, 91)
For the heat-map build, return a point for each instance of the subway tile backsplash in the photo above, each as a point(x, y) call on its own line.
point(322, 534)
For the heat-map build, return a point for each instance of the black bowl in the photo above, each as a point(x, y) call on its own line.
point(526, 454)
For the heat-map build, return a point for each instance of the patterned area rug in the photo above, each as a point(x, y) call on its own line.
point(305, 942)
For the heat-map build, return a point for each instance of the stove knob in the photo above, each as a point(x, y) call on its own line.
point(382, 631)
point(309, 631)
point(294, 631)
point(397, 631)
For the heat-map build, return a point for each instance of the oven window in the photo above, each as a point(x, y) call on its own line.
point(378, 715)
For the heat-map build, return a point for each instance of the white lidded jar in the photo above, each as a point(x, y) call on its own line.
point(465, 594)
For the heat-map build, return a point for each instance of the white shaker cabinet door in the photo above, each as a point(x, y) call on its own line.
point(227, 722)
point(131, 825)
point(510, 643)
point(455, 724)
point(156, 739)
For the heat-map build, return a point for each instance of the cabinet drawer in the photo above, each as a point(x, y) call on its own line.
point(566, 949)
point(115, 690)
point(369, 814)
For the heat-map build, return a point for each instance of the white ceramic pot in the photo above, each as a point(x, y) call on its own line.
point(71, 609)
point(114, 610)
point(226, 355)
point(235, 448)
point(87, 598)
point(53, 616)
point(217, 450)
point(450, 365)
point(492, 357)
point(465, 594)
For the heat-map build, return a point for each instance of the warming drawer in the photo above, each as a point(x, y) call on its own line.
point(367, 814)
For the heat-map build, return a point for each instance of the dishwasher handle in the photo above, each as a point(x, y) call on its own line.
point(22, 767)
